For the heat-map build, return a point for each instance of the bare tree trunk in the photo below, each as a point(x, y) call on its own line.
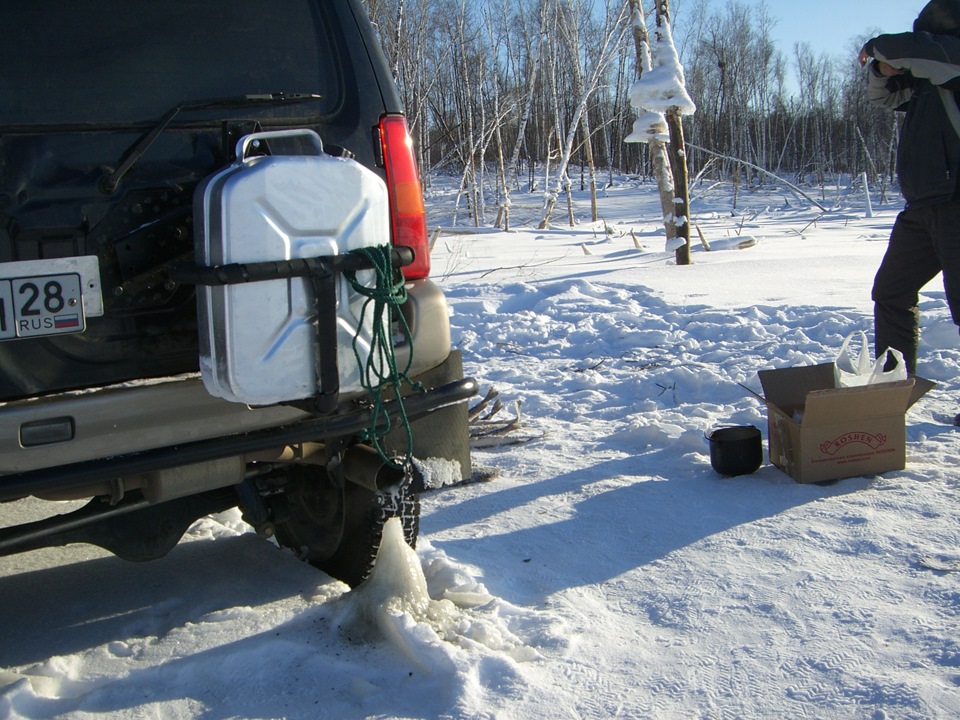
point(681, 201)
point(547, 195)
point(868, 157)
point(504, 214)
point(480, 173)
point(663, 174)
point(591, 167)
point(397, 37)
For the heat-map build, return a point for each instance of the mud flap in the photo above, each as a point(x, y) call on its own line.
point(443, 433)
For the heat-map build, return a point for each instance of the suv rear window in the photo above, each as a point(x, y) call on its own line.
point(130, 61)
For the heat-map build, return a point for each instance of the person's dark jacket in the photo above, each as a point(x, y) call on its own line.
point(928, 160)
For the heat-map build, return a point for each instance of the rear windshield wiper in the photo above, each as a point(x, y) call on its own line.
point(109, 183)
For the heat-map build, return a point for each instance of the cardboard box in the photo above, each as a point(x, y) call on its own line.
point(817, 431)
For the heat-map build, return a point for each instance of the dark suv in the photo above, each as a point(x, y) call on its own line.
point(205, 211)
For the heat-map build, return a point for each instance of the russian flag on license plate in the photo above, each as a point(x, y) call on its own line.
point(62, 322)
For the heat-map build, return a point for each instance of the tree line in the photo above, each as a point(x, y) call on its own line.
point(500, 92)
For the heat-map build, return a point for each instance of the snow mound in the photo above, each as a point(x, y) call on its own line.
point(395, 601)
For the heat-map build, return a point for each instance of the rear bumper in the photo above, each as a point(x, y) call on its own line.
point(82, 474)
point(122, 419)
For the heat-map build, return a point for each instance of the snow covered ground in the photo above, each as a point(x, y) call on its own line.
point(607, 571)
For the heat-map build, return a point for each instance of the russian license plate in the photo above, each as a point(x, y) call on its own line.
point(52, 303)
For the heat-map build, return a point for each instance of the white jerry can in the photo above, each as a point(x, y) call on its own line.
point(258, 339)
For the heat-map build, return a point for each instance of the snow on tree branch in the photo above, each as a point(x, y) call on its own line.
point(662, 88)
point(648, 125)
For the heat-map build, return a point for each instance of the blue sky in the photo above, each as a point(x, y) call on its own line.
point(830, 26)
point(833, 27)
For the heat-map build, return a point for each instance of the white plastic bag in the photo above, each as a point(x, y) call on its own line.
point(856, 369)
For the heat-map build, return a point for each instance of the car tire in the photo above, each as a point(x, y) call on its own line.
point(338, 528)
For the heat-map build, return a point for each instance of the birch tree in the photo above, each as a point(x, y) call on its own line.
point(613, 32)
point(662, 89)
point(651, 127)
point(677, 104)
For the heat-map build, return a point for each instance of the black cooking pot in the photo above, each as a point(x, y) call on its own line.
point(736, 450)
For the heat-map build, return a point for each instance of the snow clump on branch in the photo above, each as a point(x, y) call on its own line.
point(662, 88)
point(648, 125)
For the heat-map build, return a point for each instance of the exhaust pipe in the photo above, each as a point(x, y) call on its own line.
point(362, 465)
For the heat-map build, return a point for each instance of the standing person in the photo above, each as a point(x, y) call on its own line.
point(917, 72)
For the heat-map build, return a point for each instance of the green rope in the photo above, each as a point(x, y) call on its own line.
point(379, 373)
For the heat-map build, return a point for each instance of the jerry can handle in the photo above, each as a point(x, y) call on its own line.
point(244, 143)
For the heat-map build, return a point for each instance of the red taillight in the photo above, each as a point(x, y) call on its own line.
point(408, 219)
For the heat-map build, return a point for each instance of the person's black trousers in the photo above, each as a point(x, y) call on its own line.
point(923, 242)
